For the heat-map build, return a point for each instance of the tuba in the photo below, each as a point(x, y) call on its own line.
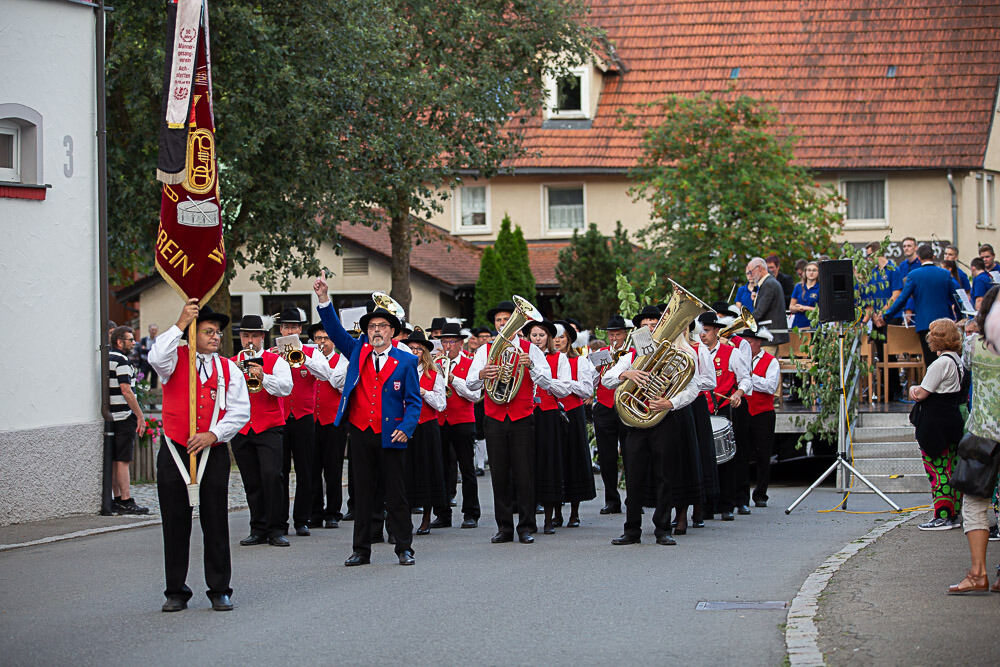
point(506, 353)
point(245, 356)
point(386, 302)
point(671, 368)
point(744, 320)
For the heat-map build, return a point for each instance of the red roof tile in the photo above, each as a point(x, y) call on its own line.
point(823, 64)
point(543, 258)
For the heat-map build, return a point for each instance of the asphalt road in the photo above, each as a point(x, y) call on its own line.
point(571, 598)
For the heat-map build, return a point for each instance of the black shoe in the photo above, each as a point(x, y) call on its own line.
point(743, 509)
point(252, 539)
point(728, 516)
point(278, 541)
point(573, 523)
point(760, 503)
point(549, 529)
point(423, 531)
point(539, 509)
point(697, 524)
point(330, 523)
point(470, 523)
point(502, 537)
point(557, 521)
point(174, 604)
point(480, 472)
point(348, 517)
point(611, 509)
point(406, 558)
point(666, 540)
point(626, 539)
point(302, 531)
point(526, 538)
point(315, 523)
point(222, 603)
point(680, 531)
point(129, 507)
point(357, 559)
point(452, 503)
point(416, 510)
point(441, 523)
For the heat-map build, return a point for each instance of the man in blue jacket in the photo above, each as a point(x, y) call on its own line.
point(381, 405)
point(931, 288)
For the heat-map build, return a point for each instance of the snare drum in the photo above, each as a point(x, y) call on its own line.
point(724, 437)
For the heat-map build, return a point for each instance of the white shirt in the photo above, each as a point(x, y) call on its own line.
point(562, 384)
point(163, 359)
point(583, 385)
point(942, 375)
point(279, 381)
point(684, 397)
point(460, 386)
point(705, 377)
point(436, 397)
point(540, 373)
point(772, 377)
point(612, 378)
point(738, 366)
point(318, 364)
point(339, 375)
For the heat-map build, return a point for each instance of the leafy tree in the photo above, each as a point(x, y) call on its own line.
point(512, 254)
point(723, 188)
point(491, 287)
point(586, 273)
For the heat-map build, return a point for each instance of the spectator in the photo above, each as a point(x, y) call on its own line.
point(805, 296)
point(800, 267)
point(988, 257)
point(744, 297)
point(940, 425)
point(144, 346)
point(882, 289)
point(785, 280)
point(768, 304)
point(951, 255)
point(984, 421)
point(127, 418)
point(931, 288)
point(981, 281)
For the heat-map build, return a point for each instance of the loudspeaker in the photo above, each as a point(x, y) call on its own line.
point(836, 290)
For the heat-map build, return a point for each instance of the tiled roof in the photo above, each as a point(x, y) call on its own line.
point(824, 64)
point(543, 258)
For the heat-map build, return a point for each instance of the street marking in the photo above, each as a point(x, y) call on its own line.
point(79, 533)
point(725, 605)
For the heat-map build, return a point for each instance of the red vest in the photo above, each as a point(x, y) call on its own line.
point(549, 401)
point(266, 411)
point(523, 402)
point(759, 402)
point(327, 398)
point(427, 380)
point(725, 379)
point(572, 401)
point(459, 410)
point(605, 396)
point(302, 401)
point(175, 399)
point(365, 411)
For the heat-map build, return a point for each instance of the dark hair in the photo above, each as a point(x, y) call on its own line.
point(873, 246)
point(804, 280)
point(925, 252)
point(978, 263)
point(951, 247)
point(118, 334)
point(984, 309)
point(951, 267)
point(908, 238)
point(800, 264)
point(986, 247)
point(772, 259)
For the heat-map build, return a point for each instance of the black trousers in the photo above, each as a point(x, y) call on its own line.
point(372, 465)
point(760, 429)
point(331, 444)
point(176, 514)
point(258, 456)
point(299, 443)
point(459, 440)
point(734, 476)
point(350, 476)
point(650, 455)
point(609, 431)
point(929, 355)
point(510, 446)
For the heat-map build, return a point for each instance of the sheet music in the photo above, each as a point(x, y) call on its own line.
point(600, 358)
point(642, 341)
point(281, 341)
point(965, 304)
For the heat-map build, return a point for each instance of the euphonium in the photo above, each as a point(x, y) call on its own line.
point(294, 356)
point(254, 385)
point(506, 353)
point(383, 300)
point(671, 368)
point(744, 320)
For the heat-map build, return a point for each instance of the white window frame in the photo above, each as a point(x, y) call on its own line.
point(865, 223)
point(546, 187)
point(985, 200)
point(585, 72)
point(12, 174)
point(457, 225)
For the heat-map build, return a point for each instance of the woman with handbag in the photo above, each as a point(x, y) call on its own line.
point(980, 448)
point(938, 421)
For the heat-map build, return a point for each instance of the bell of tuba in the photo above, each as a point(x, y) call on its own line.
point(506, 353)
point(254, 385)
point(745, 320)
point(670, 367)
point(383, 300)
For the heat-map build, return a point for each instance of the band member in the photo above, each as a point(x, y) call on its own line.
point(578, 472)
point(650, 453)
point(510, 431)
point(300, 422)
point(705, 381)
point(608, 428)
point(732, 382)
point(381, 403)
point(477, 337)
point(765, 379)
point(258, 446)
point(457, 422)
point(424, 466)
point(223, 408)
point(331, 440)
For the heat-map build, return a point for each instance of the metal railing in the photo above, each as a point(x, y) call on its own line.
point(848, 407)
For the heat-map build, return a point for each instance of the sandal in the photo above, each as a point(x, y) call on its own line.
point(971, 584)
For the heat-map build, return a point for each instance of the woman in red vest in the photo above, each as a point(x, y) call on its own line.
point(424, 467)
point(578, 471)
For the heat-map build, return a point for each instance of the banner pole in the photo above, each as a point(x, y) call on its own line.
point(192, 392)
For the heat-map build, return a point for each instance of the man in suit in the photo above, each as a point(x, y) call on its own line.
point(785, 280)
point(931, 288)
point(768, 302)
point(381, 403)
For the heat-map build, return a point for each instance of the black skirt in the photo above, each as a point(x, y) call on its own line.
point(706, 447)
point(548, 457)
point(424, 468)
point(687, 484)
point(578, 470)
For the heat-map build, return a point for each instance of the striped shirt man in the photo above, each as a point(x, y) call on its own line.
point(120, 371)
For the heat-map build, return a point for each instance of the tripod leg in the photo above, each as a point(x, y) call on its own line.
point(871, 486)
point(814, 485)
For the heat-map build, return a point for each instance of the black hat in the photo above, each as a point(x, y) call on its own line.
point(206, 314)
point(615, 323)
point(570, 331)
point(723, 308)
point(761, 334)
point(313, 328)
point(419, 337)
point(545, 324)
point(502, 307)
point(710, 320)
point(292, 315)
point(453, 330)
point(476, 331)
point(437, 323)
point(575, 322)
point(648, 312)
point(384, 314)
point(252, 323)
point(406, 327)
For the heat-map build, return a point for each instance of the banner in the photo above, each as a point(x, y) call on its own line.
point(190, 254)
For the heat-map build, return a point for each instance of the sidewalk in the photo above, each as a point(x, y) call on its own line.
point(888, 604)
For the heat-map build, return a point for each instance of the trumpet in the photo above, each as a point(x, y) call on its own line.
point(294, 355)
point(744, 320)
point(254, 384)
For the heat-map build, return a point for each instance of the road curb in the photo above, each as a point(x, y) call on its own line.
point(801, 633)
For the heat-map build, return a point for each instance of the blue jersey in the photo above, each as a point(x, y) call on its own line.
point(981, 284)
point(805, 296)
point(882, 283)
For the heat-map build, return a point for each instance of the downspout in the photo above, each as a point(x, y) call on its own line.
point(102, 250)
point(954, 210)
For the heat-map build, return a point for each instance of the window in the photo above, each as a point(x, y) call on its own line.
point(866, 201)
point(985, 211)
point(569, 94)
point(10, 153)
point(20, 145)
point(565, 208)
point(355, 266)
point(473, 203)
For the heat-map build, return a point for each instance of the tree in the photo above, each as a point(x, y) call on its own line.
point(512, 253)
point(721, 180)
point(586, 274)
point(491, 287)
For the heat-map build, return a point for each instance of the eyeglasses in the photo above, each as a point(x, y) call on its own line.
point(319, 338)
point(384, 325)
point(211, 333)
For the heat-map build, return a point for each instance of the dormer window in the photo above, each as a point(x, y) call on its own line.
point(571, 94)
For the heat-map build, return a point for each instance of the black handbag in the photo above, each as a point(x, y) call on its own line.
point(978, 466)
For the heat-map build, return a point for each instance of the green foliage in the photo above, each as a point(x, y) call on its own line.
point(719, 176)
point(491, 288)
point(584, 271)
point(512, 253)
